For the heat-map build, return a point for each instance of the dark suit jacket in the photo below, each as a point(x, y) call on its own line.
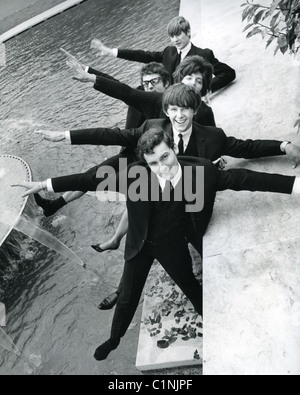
point(148, 103)
point(223, 73)
point(214, 180)
point(212, 142)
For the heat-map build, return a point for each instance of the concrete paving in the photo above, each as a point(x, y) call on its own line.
point(251, 264)
point(14, 12)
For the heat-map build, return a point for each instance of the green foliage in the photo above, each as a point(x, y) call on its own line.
point(279, 22)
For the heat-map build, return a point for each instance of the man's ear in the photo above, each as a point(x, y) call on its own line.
point(166, 112)
point(189, 34)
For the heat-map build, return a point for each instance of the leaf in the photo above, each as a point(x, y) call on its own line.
point(256, 30)
point(284, 49)
point(274, 19)
point(297, 123)
point(245, 13)
point(276, 50)
point(252, 12)
point(247, 27)
point(274, 5)
point(258, 16)
point(172, 340)
point(271, 39)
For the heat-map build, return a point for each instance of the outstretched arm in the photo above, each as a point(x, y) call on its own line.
point(102, 49)
point(96, 136)
point(127, 54)
point(250, 149)
point(247, 180)
point(223, 74)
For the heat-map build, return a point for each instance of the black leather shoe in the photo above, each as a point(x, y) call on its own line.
point(109, 302)
point(104, 350)
point(97, 248)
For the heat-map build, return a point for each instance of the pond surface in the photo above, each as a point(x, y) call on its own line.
point(51, 302)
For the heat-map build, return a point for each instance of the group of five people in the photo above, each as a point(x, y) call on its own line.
point(171, 146)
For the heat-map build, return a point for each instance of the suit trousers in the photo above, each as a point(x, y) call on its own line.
point(175, 258)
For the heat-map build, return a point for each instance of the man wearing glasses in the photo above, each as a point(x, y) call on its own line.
point(145, 102)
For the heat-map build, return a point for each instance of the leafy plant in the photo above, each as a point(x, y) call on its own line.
point(279, 22)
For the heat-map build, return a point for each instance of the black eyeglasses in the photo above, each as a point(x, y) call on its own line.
point(153, 82)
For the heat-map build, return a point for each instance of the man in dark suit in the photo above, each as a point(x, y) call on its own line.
point(193, 71)
point(180, 103)
point(179, 31)
point(161, 228)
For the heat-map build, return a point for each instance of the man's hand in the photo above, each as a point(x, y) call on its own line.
point(32, 187)
point(293, 153)
point(79, 74)
point(52, 136)
point(222, 163)
point(73, 59)
point(101, 48)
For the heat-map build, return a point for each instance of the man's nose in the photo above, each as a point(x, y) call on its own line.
point(162, 167)
point(193, 81)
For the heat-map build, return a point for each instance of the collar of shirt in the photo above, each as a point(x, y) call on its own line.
point(174, 181)
point(185, 51)
point(185, 136)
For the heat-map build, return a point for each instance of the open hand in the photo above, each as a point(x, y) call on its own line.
point(293, 153)
point(100, 47)
point(52, 136)
point(32, 187)
point(73, 59)
point(79, 74)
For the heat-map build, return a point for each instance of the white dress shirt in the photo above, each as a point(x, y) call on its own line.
point(185, 51)
point(175, 180)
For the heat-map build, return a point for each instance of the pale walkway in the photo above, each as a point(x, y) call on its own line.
point(251, 266)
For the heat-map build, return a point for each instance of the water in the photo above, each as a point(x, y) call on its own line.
point(25, 226)
point(51, 304)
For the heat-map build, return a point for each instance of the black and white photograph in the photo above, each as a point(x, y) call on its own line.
point(149, 189)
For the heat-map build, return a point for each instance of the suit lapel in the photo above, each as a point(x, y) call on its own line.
point(200, 142)
point(173, 58)
point(192, 51)
point(169, 129)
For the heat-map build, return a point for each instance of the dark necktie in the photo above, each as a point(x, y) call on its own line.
point(166, 194)
point(180, 145)
point(178, 59)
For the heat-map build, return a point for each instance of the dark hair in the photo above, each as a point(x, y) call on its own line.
point(178, 25)
point(156, 68)
point(195, 64)
point(151, 139)
point(182, 96)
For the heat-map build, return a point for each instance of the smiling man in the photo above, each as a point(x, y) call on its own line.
point(179, 31)
point(180, 103)
point(161, 229)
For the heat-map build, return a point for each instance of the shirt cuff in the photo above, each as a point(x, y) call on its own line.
point(68, 136)
point(87, 69)
point(49, 185)
point(296, 187)
point(115, 52)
